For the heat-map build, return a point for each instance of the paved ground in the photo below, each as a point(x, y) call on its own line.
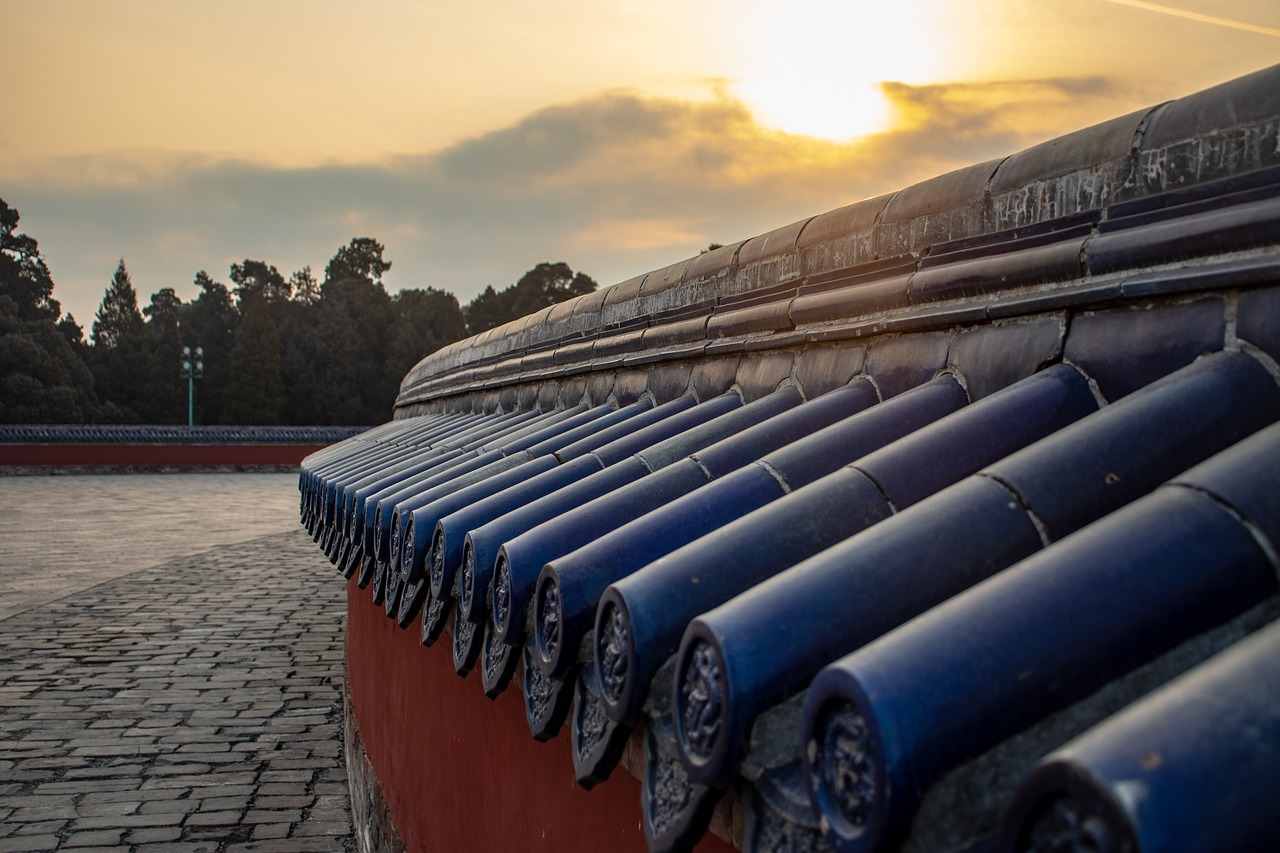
point(188, 703)
point(64, 533)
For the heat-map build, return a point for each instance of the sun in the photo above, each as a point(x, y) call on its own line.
point(838, 113)
point(814, 67)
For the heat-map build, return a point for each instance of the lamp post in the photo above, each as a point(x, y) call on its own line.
point(192, 369)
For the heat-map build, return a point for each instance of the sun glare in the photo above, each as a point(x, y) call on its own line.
point(814, 67)
point(834, 112)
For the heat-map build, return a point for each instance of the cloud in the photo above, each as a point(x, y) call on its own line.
point(627, 235)
point(615, 185)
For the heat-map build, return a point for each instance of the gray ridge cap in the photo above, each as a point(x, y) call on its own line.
point(960, 188)
point(771, 244)
point(951, 206)
point(1249, 99)
point(713, 263)
point(1082, 149)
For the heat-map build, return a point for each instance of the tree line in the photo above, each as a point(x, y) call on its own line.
point(276, 349)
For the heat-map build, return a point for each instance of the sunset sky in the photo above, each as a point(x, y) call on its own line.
point(477, 139)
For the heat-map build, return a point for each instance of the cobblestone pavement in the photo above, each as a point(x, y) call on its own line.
point(63, 533)
point(192, 705)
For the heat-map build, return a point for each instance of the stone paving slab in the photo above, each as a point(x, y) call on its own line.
point(191, 705)
point(66, 532)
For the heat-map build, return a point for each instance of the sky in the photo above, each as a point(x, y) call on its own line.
point(475, 140)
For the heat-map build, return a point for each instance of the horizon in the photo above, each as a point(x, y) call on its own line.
point(475, 145)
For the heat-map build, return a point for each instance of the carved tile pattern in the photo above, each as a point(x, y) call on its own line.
point(433, 616)
point(848, 768)
point(539, 691)
point(408, 602)
point(501, 591)
point(672, 792)
point(352, 563)
point(394, 557)
point(701, 700)
point(548, 620)
point(379, 581)
point(773, 833)
point(467, 587)
point(406, 553)
point(1067, 826)
point(437, 567)
point(463, 632)
point(366, 571)
point(494, 656)
point(611, 652)
point(592, 723)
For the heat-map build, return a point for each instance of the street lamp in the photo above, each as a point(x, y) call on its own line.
point(192, 369)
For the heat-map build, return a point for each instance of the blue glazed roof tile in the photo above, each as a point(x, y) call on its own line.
point(966, 470)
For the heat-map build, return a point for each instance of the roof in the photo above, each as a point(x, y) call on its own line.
point(861, 519)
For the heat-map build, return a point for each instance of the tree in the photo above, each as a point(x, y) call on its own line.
point(303, 356)
point(255, 394)
point(42, 377)
point(353, 323)
point(547, 284)
point(544, 285)
point(73, 332)
point(425, 321)
point(164, 394)
point(210, 321)
point(119, 358)
point(118, 316)
point(359, 259)
point(24, 277)
point(488, 310)
point(258, 278)
point(304, 286)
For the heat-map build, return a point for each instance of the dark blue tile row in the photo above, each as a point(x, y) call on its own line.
point(1039, 637)
point(948, 581)
point(740, 549)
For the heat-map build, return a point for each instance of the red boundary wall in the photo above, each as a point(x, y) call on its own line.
point(459, 771)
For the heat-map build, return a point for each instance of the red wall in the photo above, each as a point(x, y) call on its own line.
point(459, 771)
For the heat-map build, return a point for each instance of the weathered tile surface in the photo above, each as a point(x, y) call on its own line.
point(185, 702)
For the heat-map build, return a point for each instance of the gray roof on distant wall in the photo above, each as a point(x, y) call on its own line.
point(172, 434)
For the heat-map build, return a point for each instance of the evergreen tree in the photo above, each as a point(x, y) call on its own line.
point(425, 321)
point(164, 398)
point(43, 377)
point(489, 310)
point(544, 285)
point(24, 277)
point(258, 278)
point(547, 284)
point(255, 394)
point(118, 316)
point(353, 321)
point(119, 358)
point(302, 358)
point(305, 288)
point(359, 259)
point(210, 321)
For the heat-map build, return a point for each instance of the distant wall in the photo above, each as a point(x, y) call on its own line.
point(111, 446)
